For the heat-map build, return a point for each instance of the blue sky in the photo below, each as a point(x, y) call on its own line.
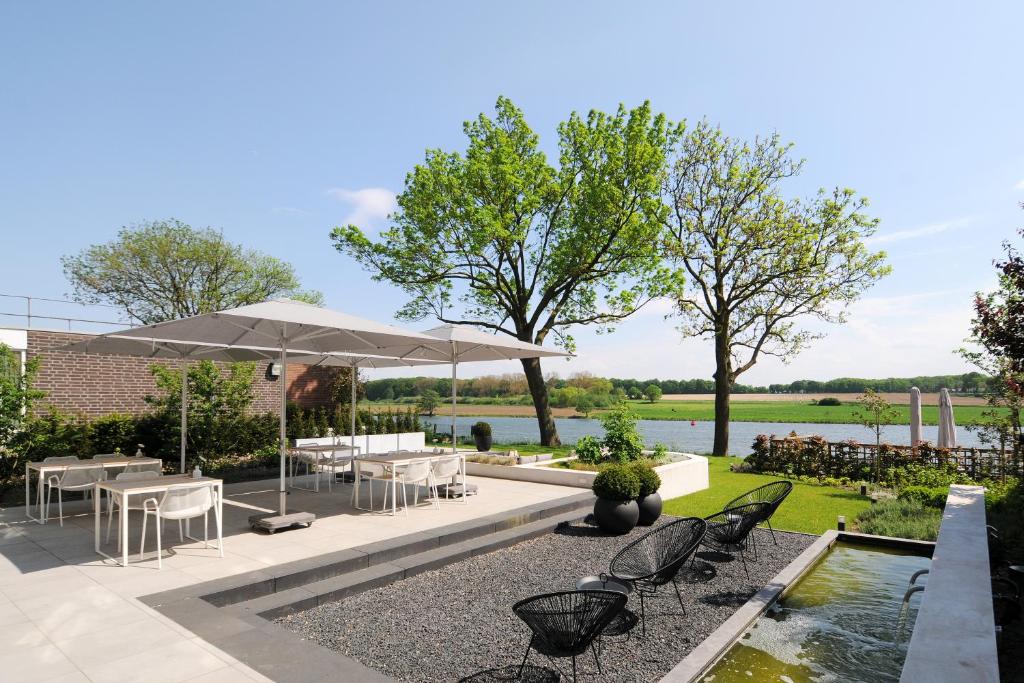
point(277, 121)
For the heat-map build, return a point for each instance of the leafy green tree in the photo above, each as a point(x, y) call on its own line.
point(166, 269)
point(621, 437)
point(217, 406)
point(757, 263)
point(428, 402)
point(874, 413)
point(500, 238)
point(652, 392)
point(584, 404)
point(16, 398)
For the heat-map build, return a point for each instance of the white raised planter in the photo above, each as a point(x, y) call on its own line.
point(687, 474)
point(373, 443)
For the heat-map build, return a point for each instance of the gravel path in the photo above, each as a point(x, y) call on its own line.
point(457, 621)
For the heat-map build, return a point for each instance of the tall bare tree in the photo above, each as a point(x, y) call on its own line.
point(757, 263)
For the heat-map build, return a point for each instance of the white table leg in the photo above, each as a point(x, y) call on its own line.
point(465, 491)
point(394, 491)
point(123, 521)
point(220, 518)
point(28, 496)
point(355, 482)
point(96, 515)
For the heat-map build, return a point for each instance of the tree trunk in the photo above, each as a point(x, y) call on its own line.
point(539, 392)
point(723, 386)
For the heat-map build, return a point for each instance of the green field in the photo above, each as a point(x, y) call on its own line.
point(788, 411)
point(811, 508)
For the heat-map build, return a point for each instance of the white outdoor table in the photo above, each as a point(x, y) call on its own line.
point(294, 454)
point(155, 487)
point(44, 469)
point(396, 460)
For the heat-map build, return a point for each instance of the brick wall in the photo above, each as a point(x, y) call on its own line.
point(96, 385)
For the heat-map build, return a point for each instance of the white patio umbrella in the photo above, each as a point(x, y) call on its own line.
point(290, 327)
point(114, 345)
point(460, 344)
point(915, 416)
point(947, 426)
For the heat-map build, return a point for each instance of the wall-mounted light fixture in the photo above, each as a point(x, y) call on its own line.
point(273, 371)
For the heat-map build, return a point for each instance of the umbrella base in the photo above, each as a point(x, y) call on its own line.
point(455, 490)
point(271, 523)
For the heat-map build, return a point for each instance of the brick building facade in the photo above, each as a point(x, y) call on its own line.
point(95, 385)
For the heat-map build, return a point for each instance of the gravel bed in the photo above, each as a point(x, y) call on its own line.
point(457, 622)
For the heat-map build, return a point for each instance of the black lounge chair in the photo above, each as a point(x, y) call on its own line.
point(729, 530)
point(655, 558)
point(566, 623)
point(773, 494)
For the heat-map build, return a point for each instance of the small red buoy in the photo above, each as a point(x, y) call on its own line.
point(693, 423)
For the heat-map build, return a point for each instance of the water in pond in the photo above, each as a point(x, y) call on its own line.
point(680, 435)
point(837, 624)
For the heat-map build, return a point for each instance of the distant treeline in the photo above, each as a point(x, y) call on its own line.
point(514, 385)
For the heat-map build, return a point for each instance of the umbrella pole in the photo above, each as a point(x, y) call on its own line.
point(455, 364)
point(184, 409)
point(283, 503)
point(352, 422)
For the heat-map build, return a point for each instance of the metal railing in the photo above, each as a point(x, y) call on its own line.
point(30, 313)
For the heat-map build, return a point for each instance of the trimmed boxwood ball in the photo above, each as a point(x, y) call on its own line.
point(617, 482)
point(648, 503)
point(616, 510)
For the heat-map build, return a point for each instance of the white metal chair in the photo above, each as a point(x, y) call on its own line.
point(155, 467)
point(371, 472)
point(124, 507)
point(444, 470)
point(416, 472)
point(181, 503)
point(82, 479)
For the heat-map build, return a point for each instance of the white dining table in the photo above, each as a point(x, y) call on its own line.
point(396, 460)
point(44, 469)
point(155, 486)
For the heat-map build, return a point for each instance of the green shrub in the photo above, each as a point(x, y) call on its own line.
point(902, 519)
point(621, 437)
point(616, 482)
point(588, 450)
point(929, 496)
point(660, 453)
point(829, 401)
point(650, 482)
point(481, 429)
point(114, 433)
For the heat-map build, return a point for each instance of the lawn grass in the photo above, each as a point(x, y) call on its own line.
point(787, 411)
point(810, 508)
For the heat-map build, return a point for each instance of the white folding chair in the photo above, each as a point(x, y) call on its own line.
point(124, 507)
point(181, 503)
point(82, 479)
point(444, 470)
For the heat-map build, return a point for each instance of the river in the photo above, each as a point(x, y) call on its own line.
point(698, 437)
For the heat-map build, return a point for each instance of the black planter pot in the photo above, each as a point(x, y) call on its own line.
point(483, 442)
point(616, 517)
point(650, 509)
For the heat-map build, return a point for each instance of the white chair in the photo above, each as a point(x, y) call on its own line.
point(154, 467)
point(124, 507)
point(444, 470)
point(414, 473)
point(82, 479)
point(107, 470)
point(371, 472)
point(181, 503)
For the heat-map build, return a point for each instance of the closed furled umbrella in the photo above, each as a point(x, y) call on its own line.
point(290, 328)
point(947, 426)
point(915, 416)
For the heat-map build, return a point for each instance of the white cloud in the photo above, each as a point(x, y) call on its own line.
point(1019, 185)
point(915, 233)
point(369, 206)
point(289, 211)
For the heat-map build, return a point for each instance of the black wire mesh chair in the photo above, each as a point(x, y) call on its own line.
point(565, 624)
point(729, 530)
point(655, 559)
point(773, 494)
